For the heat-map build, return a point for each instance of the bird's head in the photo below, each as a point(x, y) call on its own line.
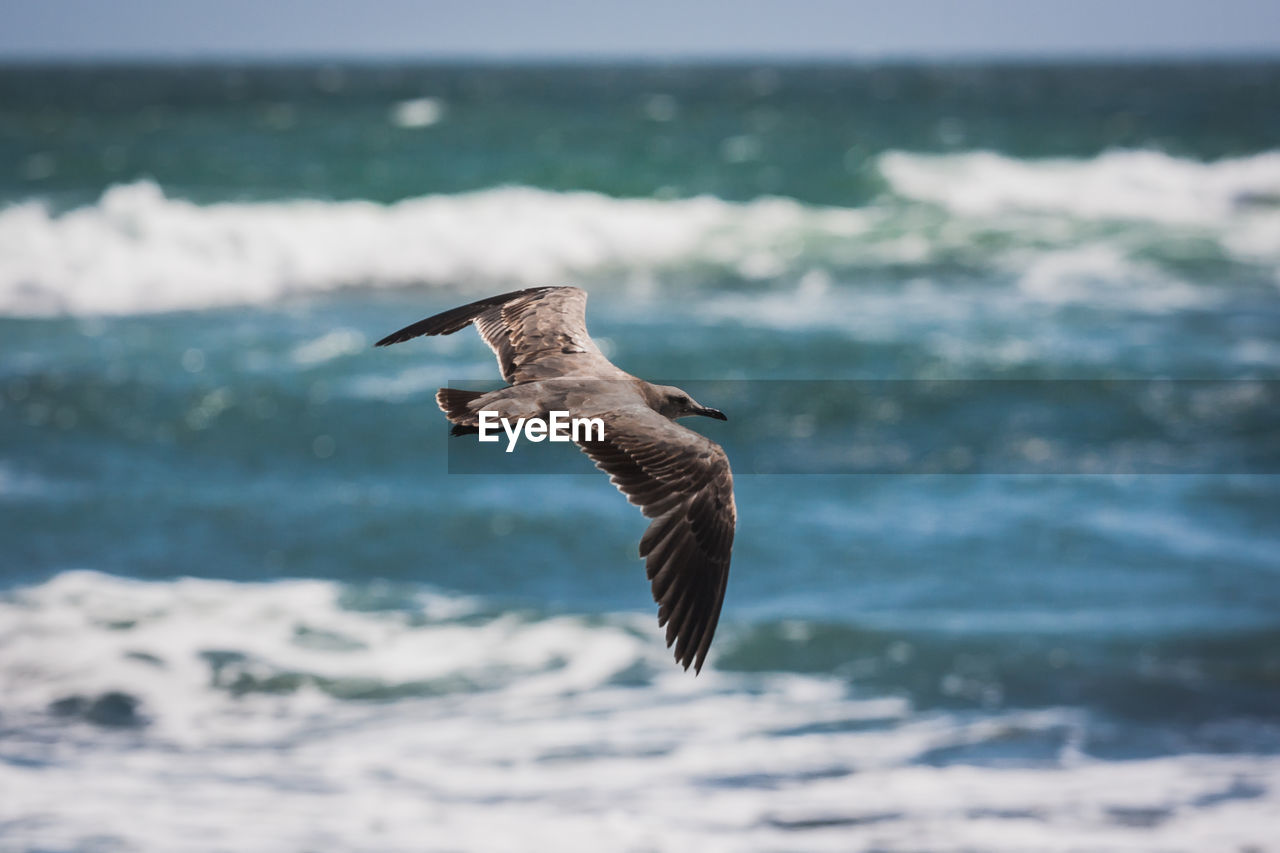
point(670, 401)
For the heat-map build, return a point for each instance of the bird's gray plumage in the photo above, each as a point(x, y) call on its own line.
point(677, 477)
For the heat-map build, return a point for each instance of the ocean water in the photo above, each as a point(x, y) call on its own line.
point(999, 347)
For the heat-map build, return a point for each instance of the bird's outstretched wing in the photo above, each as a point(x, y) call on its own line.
point(539, 333)
point(682, 481)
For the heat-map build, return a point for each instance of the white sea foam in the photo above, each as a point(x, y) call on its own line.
point(1141, 185)
point(138, 249)
point(512, 732)
point(329, 346)
point(1099, 274)
point(418, 112)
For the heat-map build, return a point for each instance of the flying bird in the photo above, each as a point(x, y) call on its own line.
point(677, 477)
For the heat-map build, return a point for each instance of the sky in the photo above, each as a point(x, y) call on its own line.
point(659, 29)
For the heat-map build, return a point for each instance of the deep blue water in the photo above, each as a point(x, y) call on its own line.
point(1017, 524)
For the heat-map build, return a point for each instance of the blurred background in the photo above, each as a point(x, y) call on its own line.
point(244, 604)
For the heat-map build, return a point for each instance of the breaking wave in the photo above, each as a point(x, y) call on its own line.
point(371, 712)
point(1138, 185)
point(1129, 219)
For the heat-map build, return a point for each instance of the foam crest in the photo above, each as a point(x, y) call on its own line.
point(1137, 184)
point(140, 250)
point(1132, 219)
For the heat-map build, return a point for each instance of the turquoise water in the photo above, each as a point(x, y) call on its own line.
point(1006, 572)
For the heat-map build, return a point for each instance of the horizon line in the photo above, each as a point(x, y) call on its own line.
point(462, 58)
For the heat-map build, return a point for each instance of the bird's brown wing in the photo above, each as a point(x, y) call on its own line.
point(539, 333)
point(682, 481)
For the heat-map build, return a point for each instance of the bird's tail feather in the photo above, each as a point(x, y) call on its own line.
point(454, 402)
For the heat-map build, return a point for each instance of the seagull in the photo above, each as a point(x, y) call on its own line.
point(677, 477)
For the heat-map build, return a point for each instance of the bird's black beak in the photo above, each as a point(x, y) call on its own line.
point(712, 413)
